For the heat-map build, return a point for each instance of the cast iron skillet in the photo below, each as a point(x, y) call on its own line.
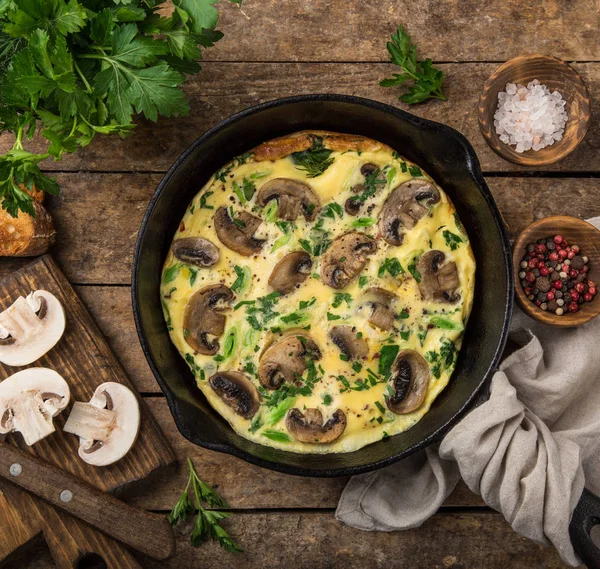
point(444, 154)
point(441, 152)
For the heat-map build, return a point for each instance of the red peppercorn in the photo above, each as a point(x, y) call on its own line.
point(575, 248)
point(562, 254)
point(532, 263)
point(529, 276)
point(593, 290)
point(540, 248)
point(544, 271)
point(540, 256)
point(574, 295)
point(571, 254)
point(588, 297)
point(584, 269)
point(573, 273)
point(579, 287)
point(553, 256)
point(558, 239)
point(556, 284)
point(573, 307)
point(528, 290)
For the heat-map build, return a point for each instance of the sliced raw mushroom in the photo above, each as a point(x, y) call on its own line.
point(238, 234)
point(308, 427)
point(196, 251)
point(406, 205)
point(285, 359)
point(293, 197)
point(439, 277)
point(237, 391)
point(29, 400)
point(345, 338)
point(30, 327)
point(203, 321)
point(381, 303)
point(107, 426)
point(291, 271)
point(409, 382)
point(346, 258)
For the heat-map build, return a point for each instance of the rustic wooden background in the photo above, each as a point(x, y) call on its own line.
point(275, 48)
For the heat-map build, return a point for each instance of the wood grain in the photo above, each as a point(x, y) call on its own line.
point(148, 533)
point(316, 540)
point(85, 361)
point(222, 89)
point(356, 30)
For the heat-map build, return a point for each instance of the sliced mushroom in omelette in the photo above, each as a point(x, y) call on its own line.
point(318, 288)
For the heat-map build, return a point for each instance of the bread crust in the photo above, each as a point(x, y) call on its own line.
point(299, 141)
point(24, 235)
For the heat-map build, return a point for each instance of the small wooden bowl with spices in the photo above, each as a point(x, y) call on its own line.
point(556, 75)
point(573, 231)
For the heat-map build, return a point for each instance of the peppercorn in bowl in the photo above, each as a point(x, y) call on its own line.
point(556, 262)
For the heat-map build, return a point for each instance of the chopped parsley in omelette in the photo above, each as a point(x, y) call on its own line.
point(318, 288)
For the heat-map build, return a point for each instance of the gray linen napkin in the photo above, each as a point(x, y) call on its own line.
point(528, 451)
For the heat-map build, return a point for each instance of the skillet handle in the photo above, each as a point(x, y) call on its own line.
point(585, 516)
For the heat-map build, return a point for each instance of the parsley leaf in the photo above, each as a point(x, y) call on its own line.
point(314, 160)
point(452, 240)
point(207, 521)
point(427, 78)
point(81, 68)
point(392, 266)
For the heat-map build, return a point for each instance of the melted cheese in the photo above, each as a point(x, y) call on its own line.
point(365, 421)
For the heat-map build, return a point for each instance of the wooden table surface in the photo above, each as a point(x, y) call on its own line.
point(278, 48)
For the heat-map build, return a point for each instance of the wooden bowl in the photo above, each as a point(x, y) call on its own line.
point(556, 75)
point(576, 232)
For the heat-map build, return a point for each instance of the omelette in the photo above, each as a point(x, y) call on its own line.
point(318, 288)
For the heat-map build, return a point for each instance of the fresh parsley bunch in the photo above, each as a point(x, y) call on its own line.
point(427, 78)
point(85, 67)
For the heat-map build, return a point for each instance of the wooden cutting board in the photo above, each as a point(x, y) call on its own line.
point(84, 359)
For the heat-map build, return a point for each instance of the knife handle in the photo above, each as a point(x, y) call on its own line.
point(147, 533)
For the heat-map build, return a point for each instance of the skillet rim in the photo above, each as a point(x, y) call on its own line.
point(479, 391)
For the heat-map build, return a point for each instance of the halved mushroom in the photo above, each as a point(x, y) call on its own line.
point(345, 338)
point(308, 427)
point(292, 196)
point(345, 258)
point(30, 327)
point(237, 391)
point(409, 381)
point(107, 426)
point(290, 271)
point(203, 318)
point(381, 301)
point(285, 359)
point(29, 400)
point(196, 251)
point(238, 234)
point(439, 277)
point(407, 203)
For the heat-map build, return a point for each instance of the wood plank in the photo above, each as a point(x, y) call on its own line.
point(222, 89)
point(309, 540)
point(444, 30)
point(244, 485)
point(98, 216)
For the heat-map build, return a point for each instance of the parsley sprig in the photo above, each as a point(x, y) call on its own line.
point(314, 160)
point(81, 68)
point(427, 78)
point(207, 523)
